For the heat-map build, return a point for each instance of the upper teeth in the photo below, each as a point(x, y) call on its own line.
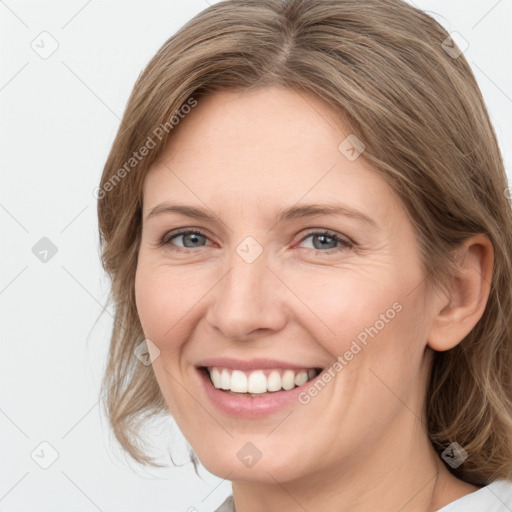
point(258, 381)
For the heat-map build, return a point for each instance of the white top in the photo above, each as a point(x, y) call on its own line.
point(495, 497)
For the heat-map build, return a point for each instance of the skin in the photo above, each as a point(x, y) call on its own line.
point(360, 444)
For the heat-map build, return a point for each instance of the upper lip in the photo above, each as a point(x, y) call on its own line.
point(251, 364)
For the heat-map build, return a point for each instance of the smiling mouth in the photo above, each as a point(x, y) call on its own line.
point(258, 382)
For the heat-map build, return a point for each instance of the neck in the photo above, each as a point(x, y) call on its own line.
point(399, 473)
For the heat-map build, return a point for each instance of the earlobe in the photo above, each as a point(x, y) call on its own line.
point(459, 312)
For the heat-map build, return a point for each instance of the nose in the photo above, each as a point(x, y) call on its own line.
point(249, 299)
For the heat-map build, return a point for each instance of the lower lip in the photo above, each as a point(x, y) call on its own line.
point(248, 406)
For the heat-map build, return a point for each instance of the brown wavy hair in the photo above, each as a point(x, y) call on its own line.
point(394, 76)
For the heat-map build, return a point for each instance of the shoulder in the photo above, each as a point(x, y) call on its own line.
point(495, 497)
point(227, 505)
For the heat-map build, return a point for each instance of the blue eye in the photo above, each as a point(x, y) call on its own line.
point(194, 238)
point(327, 238)
point(188, 235)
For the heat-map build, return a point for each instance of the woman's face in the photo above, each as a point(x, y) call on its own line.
point(261, 292)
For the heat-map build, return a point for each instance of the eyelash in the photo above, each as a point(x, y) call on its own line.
point(345, 242)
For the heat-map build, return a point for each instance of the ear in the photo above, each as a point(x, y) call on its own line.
point(457, 314)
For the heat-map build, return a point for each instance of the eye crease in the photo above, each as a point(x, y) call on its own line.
point(321, 234)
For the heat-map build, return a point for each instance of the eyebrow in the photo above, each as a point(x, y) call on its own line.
point(294, 212)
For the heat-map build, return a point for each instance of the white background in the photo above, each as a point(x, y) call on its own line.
point(58, 120)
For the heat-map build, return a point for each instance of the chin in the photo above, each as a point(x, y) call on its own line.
point(249, 464)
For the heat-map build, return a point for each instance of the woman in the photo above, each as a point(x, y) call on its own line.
point(305, 220)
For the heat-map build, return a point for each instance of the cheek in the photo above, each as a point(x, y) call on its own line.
point(347, 305)
point(371, 324)
point(165, 306)
point(165, 300)
point(381, 355)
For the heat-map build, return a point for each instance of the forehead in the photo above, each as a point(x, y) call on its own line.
point(274, 121)
point(272, 146)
